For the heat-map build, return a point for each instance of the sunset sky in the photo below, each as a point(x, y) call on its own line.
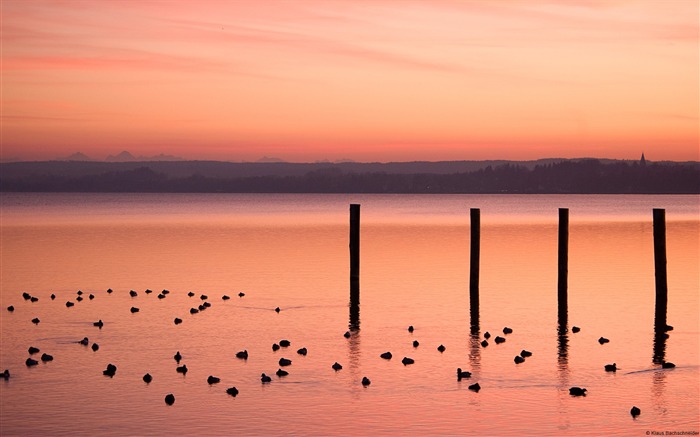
point(368, 80)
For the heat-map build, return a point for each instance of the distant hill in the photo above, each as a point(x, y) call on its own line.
point(540, 176)
point(122, 157)
point(77, 156)
point(125, 156)
point(269, 159)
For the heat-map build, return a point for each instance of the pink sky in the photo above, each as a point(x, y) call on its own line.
point(366, 80)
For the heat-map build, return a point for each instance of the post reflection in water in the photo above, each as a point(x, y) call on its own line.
point(563, 337)
point(563, 361)
point(660, 332)
point(354, 324)
point(474, 344)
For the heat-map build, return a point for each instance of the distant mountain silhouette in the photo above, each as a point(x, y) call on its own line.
point(122, 157)
point(125, 156)
point(77, 156)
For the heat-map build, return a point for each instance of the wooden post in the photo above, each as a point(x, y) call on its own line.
point(354, 254)
point(660, 264)
point(475, 216)
point(660, 309)
point(563, 283)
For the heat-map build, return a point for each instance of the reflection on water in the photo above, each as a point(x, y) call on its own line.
point(660, 332)
point(563, 337)
point(354, 323)
point(415, 272)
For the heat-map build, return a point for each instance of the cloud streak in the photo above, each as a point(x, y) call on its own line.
point(345, 74)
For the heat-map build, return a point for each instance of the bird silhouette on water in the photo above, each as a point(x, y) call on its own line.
point(110, 370)
point(285, 362)
point(32, 350)
point(31, 362)
point(499, 340)
point(577, 391)
point(147, 378)
point(177, 357)
point(611, 367)
point(233, 391)
point(170, 399)
point(264, 378)
point(475, 387)
point(182, 369)
point(441, 348)
point(366, 381)
point(336, 366)
point(285, 343)
point(213, 380)
point(667, 365)
point(518, 359)
point(406, 361)
point(242, 354)
point(603, 340)
point(386, 355)
point(635, 411)
point(281, 373)
point(462, 374)
point(46, 357)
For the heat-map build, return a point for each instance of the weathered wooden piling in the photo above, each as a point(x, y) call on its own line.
point(474, 254)
point(563, 282)
point(354, 257)
point(660, 265)
point(661, 306)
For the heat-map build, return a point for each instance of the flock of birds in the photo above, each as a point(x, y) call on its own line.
point(111, 369)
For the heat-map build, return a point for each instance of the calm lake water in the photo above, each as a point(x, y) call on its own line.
point(291, 252)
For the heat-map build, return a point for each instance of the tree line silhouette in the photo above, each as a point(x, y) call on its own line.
point(588, 176)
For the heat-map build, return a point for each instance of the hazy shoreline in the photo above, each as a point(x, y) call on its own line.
point(547, 176)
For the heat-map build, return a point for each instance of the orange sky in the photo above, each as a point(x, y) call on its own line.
point(379, 80)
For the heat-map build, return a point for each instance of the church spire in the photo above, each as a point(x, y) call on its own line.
point(643, 161)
